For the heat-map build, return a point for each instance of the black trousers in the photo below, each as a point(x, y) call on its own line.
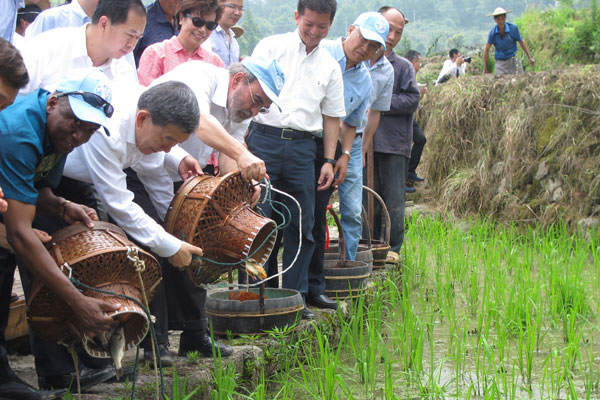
point(419, 141)
point(7, 272)
point(316, 268)
point(179, 304)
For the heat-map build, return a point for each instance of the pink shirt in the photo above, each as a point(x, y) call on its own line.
point(162, 57)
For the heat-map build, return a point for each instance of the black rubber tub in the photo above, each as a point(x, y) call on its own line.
point(281, 307)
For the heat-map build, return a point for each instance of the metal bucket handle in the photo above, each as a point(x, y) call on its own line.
point(388, 221)
point(340, 233)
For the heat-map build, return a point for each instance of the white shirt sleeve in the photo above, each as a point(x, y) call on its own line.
point(173, 159)
point(107, 175)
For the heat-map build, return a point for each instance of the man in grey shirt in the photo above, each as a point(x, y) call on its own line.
point(393, 137)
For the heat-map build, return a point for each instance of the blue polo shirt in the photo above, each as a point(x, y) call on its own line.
point(505, 46)
point(157, 29)
point(27, 158)
point(357, 84)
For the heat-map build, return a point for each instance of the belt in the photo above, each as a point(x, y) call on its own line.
point(283, 133)
point(359, 134)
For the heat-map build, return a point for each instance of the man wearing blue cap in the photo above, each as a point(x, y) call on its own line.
point(366, 36)
point(37, 132)
point(230, 97)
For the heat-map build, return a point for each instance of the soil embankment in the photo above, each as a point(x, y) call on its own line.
point(516, 148)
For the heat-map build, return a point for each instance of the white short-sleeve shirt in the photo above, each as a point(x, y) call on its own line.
point(210, 84)
point(313, 84)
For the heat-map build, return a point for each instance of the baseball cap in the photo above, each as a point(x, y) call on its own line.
point(269, 74)
point(89, 94)
point(373, 26)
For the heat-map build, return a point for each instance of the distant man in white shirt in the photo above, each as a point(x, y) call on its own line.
point(454, 67)
point(232, 97)
point(114, 31)
point(76, 13)
point(312, 102)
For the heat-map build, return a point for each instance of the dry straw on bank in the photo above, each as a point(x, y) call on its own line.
point(517, 148)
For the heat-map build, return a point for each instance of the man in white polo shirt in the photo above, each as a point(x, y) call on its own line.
point(312, 102)
point(232, 97)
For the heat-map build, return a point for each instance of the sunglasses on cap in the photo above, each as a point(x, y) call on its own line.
point(199, 22)
point(93, 100)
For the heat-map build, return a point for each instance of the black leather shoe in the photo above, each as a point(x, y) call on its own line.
point(322, 301)
point(414, 177)
point(307, 313)
point(201, 342)
point(16, 389)
point(409, 189)
point(166, 359)
point(88, 377)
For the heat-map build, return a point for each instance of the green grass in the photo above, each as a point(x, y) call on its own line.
point(478, 310)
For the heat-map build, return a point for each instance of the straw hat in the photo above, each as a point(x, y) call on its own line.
point(238, 30)
point(499, 11)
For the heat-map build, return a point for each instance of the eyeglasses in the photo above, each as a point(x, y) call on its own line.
point(229, 5)
point(372, 45)
point(93, 100)
point(199, 22)
point(262, 109)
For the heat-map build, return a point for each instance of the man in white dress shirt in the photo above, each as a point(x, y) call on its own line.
point(114, 31)
point(232, 97)
point(312, 102)
point(147, 125)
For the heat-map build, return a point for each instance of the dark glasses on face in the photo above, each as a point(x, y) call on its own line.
point(93, 100)
point(199, 22)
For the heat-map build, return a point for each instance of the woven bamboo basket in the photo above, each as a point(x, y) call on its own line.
point(214, 214)
point(97, 257)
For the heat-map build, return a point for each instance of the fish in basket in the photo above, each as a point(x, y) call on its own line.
point(110, 266)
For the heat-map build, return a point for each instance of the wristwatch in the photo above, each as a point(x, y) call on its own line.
point(347, 152)
point(329, 160)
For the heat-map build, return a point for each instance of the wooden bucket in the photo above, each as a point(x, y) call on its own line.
point(214, 214)
point(363, 251)
point(280, 307)
point(102, 258)
point(344, 279)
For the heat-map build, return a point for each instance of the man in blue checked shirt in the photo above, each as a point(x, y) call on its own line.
point(366, 37)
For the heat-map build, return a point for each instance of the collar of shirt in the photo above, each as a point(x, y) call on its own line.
point(78, 10)
point(302, 46)
point(176, 47)
point(219, 98)
point(506, 28)
point(378, 64)
point(221, 32)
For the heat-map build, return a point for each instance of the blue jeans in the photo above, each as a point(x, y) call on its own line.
point(351, 200)
point(290, 165)
point(390, 182)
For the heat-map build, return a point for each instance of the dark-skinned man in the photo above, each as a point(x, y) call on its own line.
point(37, 133)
